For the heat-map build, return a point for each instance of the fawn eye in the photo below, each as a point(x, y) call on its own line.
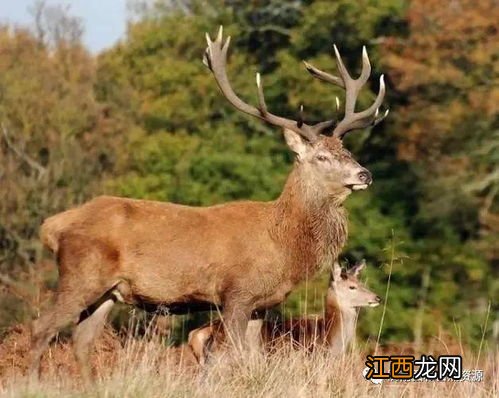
point(352, 288)
point(322, 158)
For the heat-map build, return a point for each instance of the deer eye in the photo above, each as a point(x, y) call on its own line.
point(352, 288)
point(322, 158)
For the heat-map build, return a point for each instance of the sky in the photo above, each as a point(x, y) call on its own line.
point(104, 20)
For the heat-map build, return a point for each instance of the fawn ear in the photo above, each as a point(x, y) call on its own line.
point(357, 268)
point(336, 271)
point(296, 143)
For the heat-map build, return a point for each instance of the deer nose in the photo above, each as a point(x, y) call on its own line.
point(378, 299)
point(365, 176)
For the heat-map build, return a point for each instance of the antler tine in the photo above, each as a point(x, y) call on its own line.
point(380, 118)
point(367, 117)
point(377, 102)
point(220, 33)
point(261, 97)
point(341, 66)
point(301, 116)
point(352, 120)
point(215, 58)
point(352, 86)
point(324, 76)
point(366, 67)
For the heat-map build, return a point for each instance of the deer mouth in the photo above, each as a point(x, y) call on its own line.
point(373, 303)
point(357, 187)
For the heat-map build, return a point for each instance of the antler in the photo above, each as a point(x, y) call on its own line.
point(353, 120)
point(215, 58)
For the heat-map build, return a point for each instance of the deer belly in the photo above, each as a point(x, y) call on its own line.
point(275, 297)
point(176, 293)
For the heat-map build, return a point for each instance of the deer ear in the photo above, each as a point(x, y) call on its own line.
point(297, 144)
point(336, 271)
point(357, 268)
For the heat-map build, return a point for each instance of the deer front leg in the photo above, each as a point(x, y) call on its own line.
point(236, 317)
point(231, 331)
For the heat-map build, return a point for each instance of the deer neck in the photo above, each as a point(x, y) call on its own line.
point(340, 324)
point(310, 224)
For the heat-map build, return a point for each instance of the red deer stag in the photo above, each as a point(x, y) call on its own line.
point(239, 256)
point(335, 330)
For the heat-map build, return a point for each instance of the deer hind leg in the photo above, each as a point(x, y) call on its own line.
point(87, 331)
point(67, 309)
point(80, 286)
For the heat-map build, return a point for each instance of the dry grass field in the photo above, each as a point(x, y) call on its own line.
point(129, 366)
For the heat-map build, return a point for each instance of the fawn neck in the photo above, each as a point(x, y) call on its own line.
point(310, 223)
point(339, 324)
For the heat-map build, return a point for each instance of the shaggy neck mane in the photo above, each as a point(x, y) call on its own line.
point(310, 224)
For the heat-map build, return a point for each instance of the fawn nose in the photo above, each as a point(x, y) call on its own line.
point(365, 176)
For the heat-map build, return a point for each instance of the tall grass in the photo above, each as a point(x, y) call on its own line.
point(142, 370)
point(143, 366)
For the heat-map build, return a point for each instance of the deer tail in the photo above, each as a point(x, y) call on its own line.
point(52, 228)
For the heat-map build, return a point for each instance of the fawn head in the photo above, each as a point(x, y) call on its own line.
point(348, 290)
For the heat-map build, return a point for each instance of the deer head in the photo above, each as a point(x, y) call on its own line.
point(348, 291)
point(320, 157)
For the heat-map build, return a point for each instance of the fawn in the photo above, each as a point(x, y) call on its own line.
point(335, 330)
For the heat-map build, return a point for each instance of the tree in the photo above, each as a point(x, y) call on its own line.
point(54, 147)
point(445, 74)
